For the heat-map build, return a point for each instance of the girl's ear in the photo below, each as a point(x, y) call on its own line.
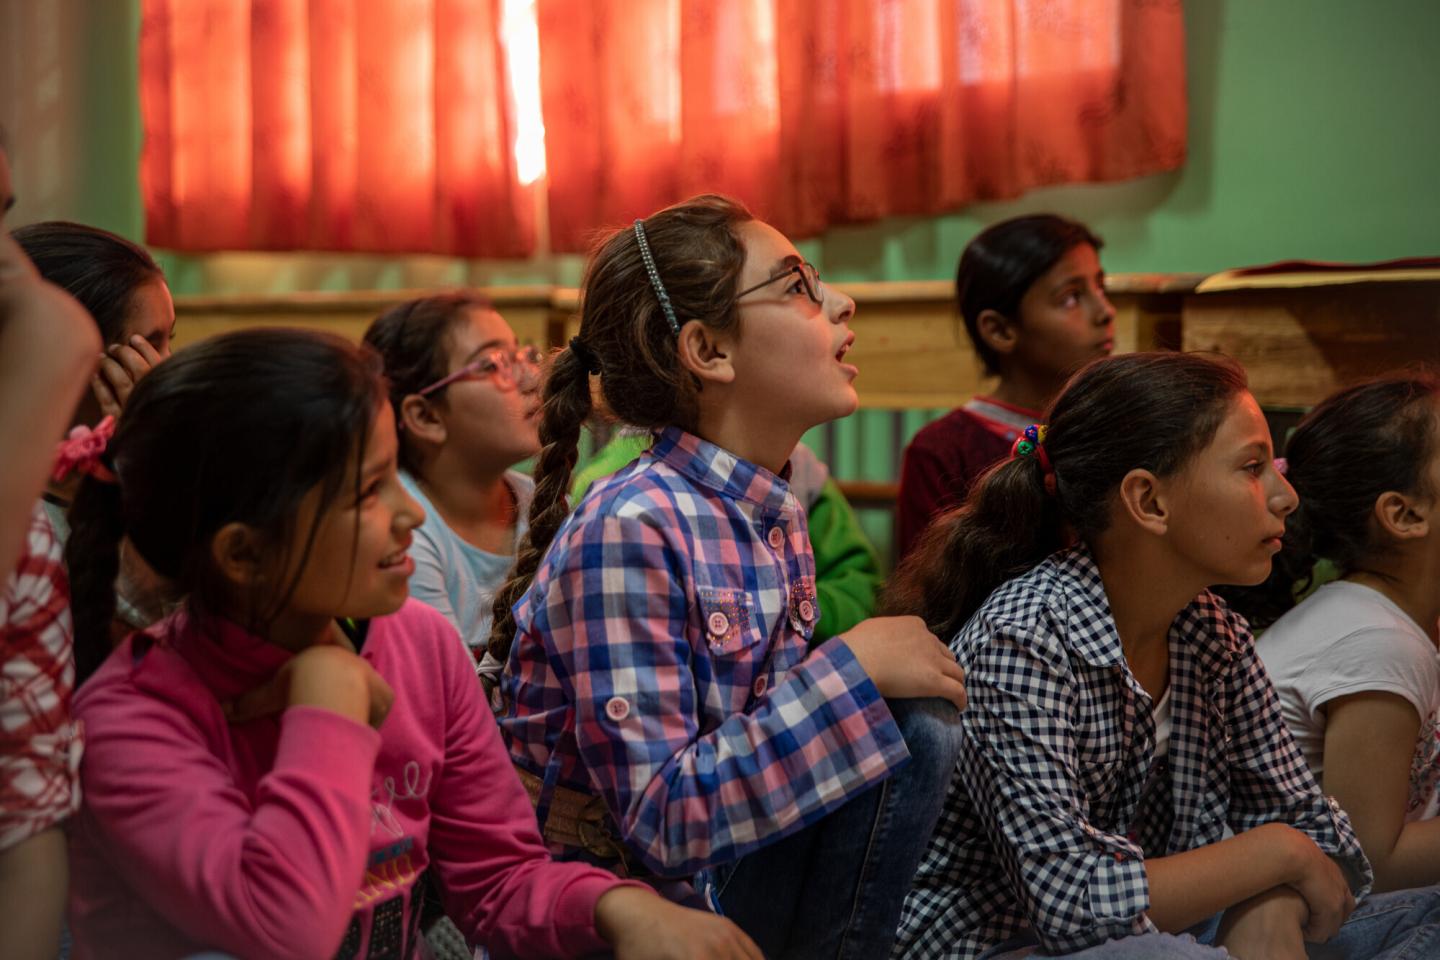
point(418, 419)
point(1145, 501)
point(235, 548)
point(997, 332)
point(706, 353)
point(1403, 517)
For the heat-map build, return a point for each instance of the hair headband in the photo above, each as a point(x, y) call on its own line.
point(664, 297)
point(1032, 443)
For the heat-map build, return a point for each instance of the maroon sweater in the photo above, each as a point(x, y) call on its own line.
point(946, 457)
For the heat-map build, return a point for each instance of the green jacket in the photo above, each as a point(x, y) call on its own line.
point(847, 571)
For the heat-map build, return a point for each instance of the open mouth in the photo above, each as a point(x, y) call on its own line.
point(395, 559)
point(845, 348)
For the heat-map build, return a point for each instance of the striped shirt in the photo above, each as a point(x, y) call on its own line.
point(1058, 797)
point(660, 662)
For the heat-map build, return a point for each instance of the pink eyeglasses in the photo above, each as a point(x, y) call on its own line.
point(508, 366)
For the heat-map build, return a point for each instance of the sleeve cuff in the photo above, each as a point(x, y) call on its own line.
point(576, 925)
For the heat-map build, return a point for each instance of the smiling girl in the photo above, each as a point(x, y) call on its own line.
point(273, 770)
point(662, 707)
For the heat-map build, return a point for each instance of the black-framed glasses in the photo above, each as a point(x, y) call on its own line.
point(809, 278)
point(507, 366)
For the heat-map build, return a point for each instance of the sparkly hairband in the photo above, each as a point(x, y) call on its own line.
point(81, 451)
point(1032, 442)
point(665, 305)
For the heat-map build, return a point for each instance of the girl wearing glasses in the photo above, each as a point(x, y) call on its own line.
point(659, 700)
point(465, 399)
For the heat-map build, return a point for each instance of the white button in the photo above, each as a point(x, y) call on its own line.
point(718, 623)
point(776, 537)
point(617, 708)
point(762, 683)
point(807, 611)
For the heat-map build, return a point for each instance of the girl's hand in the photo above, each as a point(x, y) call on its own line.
point(1266, 927)
point(328, 676)
point(121, 367)
point(1318, 880)
point(642, 925)
point(904, 659)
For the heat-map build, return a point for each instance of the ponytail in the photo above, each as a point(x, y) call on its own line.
point(565, 408)
point(1008, 525)
point(92, 557)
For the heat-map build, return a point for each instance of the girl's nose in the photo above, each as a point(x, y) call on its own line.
point(1284, 500)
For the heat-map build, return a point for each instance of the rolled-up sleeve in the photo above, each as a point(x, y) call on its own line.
point(1077, 885)
point(1269, 779)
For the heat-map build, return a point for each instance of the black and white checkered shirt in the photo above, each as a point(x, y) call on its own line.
point(1055, 804)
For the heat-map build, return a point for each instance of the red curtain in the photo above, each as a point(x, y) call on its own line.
point(364, 125)
point(818, 112)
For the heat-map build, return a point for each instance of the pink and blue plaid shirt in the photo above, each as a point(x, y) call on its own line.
point(660, 662)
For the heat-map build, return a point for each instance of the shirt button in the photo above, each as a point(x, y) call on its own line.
point(718, 623)
point(762, 683)
point(617, 708)
point(776, 538)
point(807, 611)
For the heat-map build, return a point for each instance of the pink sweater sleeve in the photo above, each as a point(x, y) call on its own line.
point(276, 879)
point(500, 884)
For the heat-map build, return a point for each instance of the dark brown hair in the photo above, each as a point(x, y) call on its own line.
point(98, 268)
point(237, 428)
point(1151, 411)
point(1003, 261)
point(699, 257)
point(411, 339)
point(1354, 446)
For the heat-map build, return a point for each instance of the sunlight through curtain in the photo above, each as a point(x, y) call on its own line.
point(364, 125)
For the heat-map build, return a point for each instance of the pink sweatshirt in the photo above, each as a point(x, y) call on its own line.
point(306, 834)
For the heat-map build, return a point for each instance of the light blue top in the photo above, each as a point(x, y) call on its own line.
point(455, 577)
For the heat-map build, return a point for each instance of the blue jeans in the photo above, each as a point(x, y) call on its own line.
point(834, 889)
point(1194, 944)
point(1404, 925)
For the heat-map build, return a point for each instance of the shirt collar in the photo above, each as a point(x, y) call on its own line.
point(720, 470)
point(1202, 627)
point(228, 659)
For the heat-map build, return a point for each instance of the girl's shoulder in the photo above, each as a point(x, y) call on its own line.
point(1052, 608)
point(647, 490)
point(144, 677)
point(419, 631)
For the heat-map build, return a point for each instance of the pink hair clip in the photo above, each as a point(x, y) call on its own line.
point(81, 450)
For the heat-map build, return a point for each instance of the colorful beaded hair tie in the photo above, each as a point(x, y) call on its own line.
point(1031, 442)
point(664, 297)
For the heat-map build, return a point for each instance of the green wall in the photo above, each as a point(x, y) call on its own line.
point(1315, 132)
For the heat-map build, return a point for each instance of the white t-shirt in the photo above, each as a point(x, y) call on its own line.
point(1344, 639)
point(1163, 725)
point(458, 578)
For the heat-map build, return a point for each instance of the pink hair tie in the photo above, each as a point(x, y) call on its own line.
point(81, 451)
